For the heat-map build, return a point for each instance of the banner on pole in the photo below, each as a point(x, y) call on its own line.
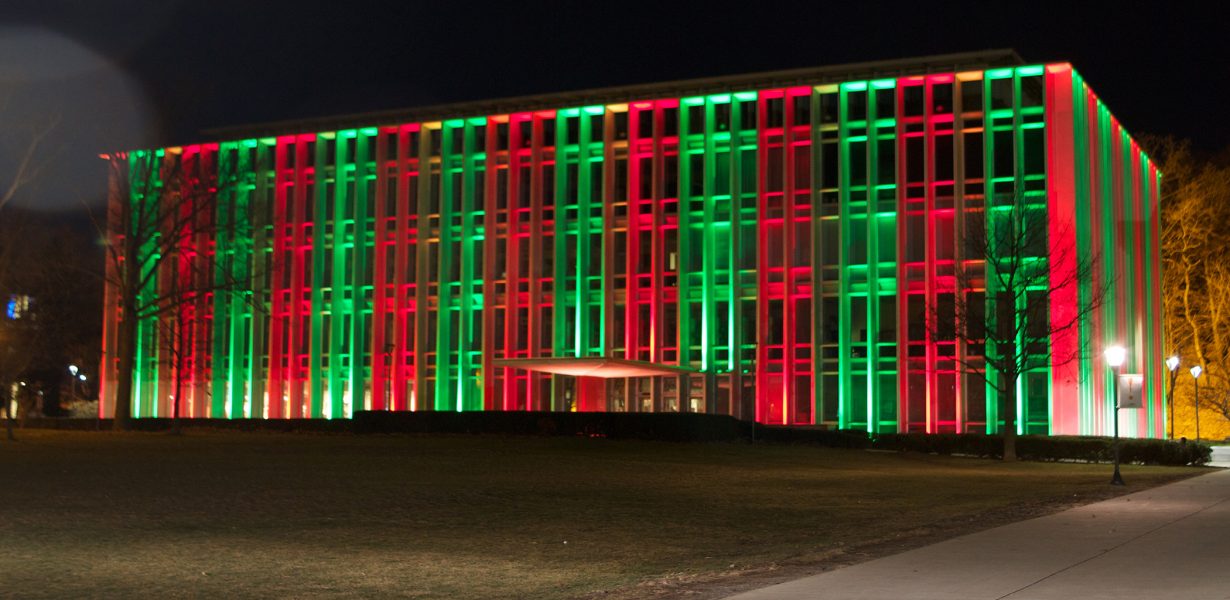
point(1131, 390)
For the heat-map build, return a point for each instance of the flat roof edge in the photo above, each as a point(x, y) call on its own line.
point(616, 94)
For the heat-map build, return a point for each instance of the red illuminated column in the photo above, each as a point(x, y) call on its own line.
point(402, 305)
point(1145, 355)
point(1061, 212)
point(492, 395)
point(276, 383)
point(1154, 318)
point(1096, 235)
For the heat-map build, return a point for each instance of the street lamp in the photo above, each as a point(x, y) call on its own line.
point(1115, 355)
point(1172, 363)
point(1196, 371)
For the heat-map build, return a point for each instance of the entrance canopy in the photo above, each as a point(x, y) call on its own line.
point(594, 366)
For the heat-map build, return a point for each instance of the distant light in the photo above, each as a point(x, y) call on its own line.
point(23, 384)
point(72, 369)
point(1196, 371)
point(81, 377)
point(1115, 355)
point(1172, 363)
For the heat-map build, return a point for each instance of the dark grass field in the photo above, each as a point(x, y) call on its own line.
point(224, 514)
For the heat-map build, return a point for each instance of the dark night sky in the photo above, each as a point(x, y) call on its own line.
point(122, 74)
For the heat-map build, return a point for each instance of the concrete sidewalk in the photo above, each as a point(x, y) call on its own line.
point(1166, 542)
point(1221, 457)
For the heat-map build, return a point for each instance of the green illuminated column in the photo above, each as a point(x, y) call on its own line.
point(446, 198)
point(144, 171)
point(262, 238)
point(361, 268)
point(882, 215)
point(232, 255)
point(470, 303)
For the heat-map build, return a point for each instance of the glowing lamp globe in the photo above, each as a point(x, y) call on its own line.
point(1115, 355)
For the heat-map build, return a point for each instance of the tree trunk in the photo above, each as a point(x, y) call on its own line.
point(8, 418)
point(124, 346)
point(1008, 410)
point(178, 357)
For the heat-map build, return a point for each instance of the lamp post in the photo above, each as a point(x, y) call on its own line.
point(1115, 355)
point(72, 383)
point(1196, 371)
point(1172, 363)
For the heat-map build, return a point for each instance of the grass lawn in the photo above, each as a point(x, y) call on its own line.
point(225, 514)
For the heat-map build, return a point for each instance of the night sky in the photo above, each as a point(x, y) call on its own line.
point(123, 74)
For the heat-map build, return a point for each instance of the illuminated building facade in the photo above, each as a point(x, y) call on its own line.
point(764, 246)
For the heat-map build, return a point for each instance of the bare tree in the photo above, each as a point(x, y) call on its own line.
point(13, 363)
point(26, 140)
point(162, 208)
point(1196, 266)
point(1002, 309)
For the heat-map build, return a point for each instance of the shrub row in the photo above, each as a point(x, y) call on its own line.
point(164, 424)
point(1051, 448)
point(816, 436)
point(690, 427)
point(670, 427)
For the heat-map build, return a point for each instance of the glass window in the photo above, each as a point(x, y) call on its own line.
point(828, 108)
point(973, 155)
point(747, 115)
point(886, 238)
point(830, 242)
point(696, 119)
point(828, 165)
point(748, 169)
point(886, 161)
point(885, 99)
point(828, 308)
point(776, 109)
point(856, 105)
point(912, 99)
point(721, 117)
point(941, 98)
point(1001, 93)
point(670, 121)
point(1003, 154)
point(572, 130)
point(644, 121)
point(621, 125)
point(915, 160)
point(916, 310)
point(858, 163)
point(888, 319)
point(858, 241)
point(671, 176)
point(802, 109)
point(1031, 91)
point(943, 158)
point(1034, 146)
point(971, 96)
point(915, 237)
point(696, 174)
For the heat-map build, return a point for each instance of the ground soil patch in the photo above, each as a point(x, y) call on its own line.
point(228, 514)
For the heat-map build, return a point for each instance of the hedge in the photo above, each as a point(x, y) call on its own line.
point(1050, 448)
point(692, 427)
point(671, 427)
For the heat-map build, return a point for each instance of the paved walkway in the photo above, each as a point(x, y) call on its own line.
point(1167, 542)
point(1221, 457)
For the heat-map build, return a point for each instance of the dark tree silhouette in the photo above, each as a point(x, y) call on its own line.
point(1005, 309)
